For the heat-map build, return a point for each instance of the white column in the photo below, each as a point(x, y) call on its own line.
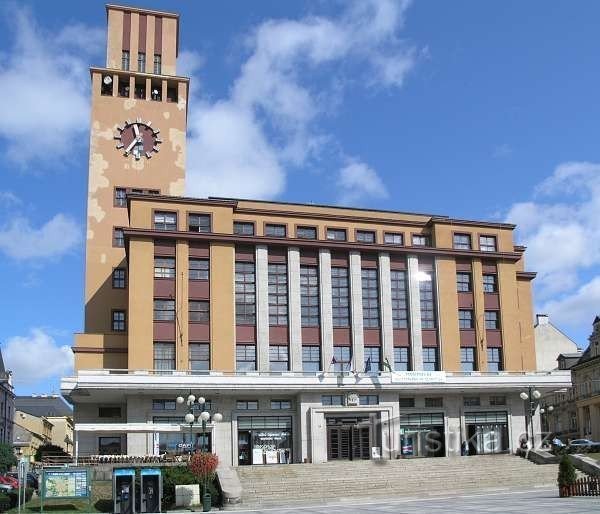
point(262, 308)
point(385, 305)
point(414, 302)
point(356, 312)
point(326, 308)
point(294, 313)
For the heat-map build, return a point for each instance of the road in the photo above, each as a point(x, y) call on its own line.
point(500, 502)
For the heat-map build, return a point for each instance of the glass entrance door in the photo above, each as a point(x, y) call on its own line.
point(348, 442)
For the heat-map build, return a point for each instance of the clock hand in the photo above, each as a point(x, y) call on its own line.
point(131, 145)
point(136, 130)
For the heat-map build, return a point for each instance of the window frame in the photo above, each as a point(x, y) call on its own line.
point(310, 301)
point(156, 226)
point(468, 359)
point(118, 323)
point(165, 272)
point(248, 289)
point(191, 360)
point(428, 305)
point(468, 282)
point(278, 300)
point(393, 234)
point(246, 405)
point(171, 347)
point(191, 214)
point(311, 349)
point(156, 61)
point(466, 322)
point(500, 364)
point(336, 230)
point(486, 285)
point(155, 310)
point(277, 404)
point(496, 320)
point(436, 354)
point(359, 233)
point(239, 223)
point(270, 226)
point(202, 270)
point(461, 245)
point(426, 239)
point(368, 353)
point(306, 227)
point(399, 297)
point(118, 201)
point(115, 280)
point(488, 247)
point(337, 297)
point(370, 302)
point(245, 348)
point(116, 239)
point(125, 60)
point(341, 363)
point(204, 317)
point(141, 60)
point(275, 350)
point(397, 367)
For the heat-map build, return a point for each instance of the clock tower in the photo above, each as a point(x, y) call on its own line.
point(137, 144)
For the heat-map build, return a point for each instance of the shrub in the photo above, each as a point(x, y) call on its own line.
point(4, 502)
point(50, 449)
point(7, 457)
point(172, 476)
point(566, 472)
point(203, 465)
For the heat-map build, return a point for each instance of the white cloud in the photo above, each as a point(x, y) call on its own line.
point(357, 181)
point(8, 199)
point(560, 228)
point(20, 241)
point(244, 144)
point(44, 88)
point(36, 357)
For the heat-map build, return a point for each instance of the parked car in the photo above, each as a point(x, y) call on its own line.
point(8, 480)
point(32, 479)
point(582, 443)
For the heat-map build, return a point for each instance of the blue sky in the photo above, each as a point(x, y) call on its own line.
point(480, 110)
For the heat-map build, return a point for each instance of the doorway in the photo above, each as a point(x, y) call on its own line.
point(348, 438)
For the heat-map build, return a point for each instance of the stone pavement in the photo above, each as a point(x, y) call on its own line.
point(542, 500)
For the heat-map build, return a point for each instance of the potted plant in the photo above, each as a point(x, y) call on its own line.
point(204, 465)
point(566, 476)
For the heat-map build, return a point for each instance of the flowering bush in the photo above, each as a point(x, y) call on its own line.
point(203, 465)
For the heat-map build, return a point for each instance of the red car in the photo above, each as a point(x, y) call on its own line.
point(7, 480)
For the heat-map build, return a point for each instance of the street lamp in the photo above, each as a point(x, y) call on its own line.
point(194, 403)
point(533, 395)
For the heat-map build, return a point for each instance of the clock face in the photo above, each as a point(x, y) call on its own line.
point(137, 138)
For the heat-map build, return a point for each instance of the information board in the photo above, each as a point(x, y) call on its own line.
point(66, 483)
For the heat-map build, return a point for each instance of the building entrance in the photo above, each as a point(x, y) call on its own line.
point(348, 438)
point(487, 432)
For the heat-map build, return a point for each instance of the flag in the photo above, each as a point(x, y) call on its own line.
point(368, 365)
point(386, 365)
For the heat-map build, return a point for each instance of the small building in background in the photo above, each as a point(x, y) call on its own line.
point(550, 343)
point(7, 403)
point(42, 419)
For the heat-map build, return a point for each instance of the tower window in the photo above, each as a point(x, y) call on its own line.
point(156, 90)
point(124, 87)
point(142, 62)
point(172, 92)
point(140, 89)
point(118, 321)
point(157, 64)
point(125, 60)
point(106, 87)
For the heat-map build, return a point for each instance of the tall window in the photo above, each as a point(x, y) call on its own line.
point(120, 197)
point(278, 358)
point(487, 243)
point(336, 234)
point(463, 282)
point(491, 320)
point(465, 318)
point(494, 358)
point(157, 64)
point(278, 294)
point(370, 298)
point(306, 232)
point(467, 359)
point(199, 222)
point(125, 60)
point(340, 297)
point(245, 357)
point(198, 269)
point(430, 359)
point(275, 230)
point(199, 311)
point(372, 358)
point(165, 221)
point(243, 228)
point(199, 356)
point(164, 310)
point(245, 293)
point(309, 296)
point(401, 359)
point(164, 267)
point(311, 358)
point(118, 278)
point(399, 299)
point(118, 321)
point(164, 356)
point(427, 301)
point(365, 236)
point(462, 241)
point(342, 358)
point(489, 283)
point(118, 237)
point(141, 62)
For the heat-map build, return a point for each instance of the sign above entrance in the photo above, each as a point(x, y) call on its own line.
point(418, 377)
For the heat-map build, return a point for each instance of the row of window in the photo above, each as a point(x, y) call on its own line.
point(408, 402)
point(464, 282)
point(157, 63)
point(463, 242)
point(123, 88)
point(164, 310)
point(468, 360)
point(466, 319)
point(337, 400)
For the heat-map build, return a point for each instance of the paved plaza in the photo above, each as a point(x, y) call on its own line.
point(541, 500)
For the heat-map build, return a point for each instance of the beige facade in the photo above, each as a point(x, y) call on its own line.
point(300, 320)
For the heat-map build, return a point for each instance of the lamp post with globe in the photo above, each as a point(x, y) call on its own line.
point(532, 397)
point(193, 404)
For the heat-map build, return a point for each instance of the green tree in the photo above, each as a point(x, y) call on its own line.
point(7, 457)
point(566, 472)
point(50, 450)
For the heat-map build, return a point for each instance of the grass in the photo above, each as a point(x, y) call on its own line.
point(56, 506)
point(595, 456)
